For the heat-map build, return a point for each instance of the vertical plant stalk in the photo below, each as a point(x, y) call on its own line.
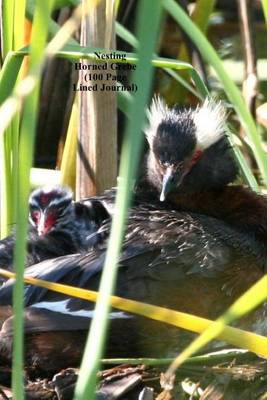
point(264, 7)
point(250, 84)
point(68, 163)
point(6, 180)
point(97, 135)
point(200, 16)
point(7, 28)
point(8, 75)
point(109, 42)
point(149, 11)
point(27, 133)
point(19, 36)
point(7, 20)
point(13, 34)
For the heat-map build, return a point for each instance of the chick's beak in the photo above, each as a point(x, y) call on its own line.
point(41, 225)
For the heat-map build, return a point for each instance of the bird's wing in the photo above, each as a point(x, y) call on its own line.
point(164, 253)
point(6, 252)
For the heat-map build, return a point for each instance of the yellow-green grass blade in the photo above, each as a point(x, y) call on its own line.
point(68, 163)
point(5, 142)
point(148, 10)
point(27, 133)
point(18, 38)
point(6, 179)
point(246, 303)
point(19, 24)
point(215, 357)
point(9, 73)
point(234, 336)
point(8, 7)
point(13, 34)
point(244, 167)
point(264, 7)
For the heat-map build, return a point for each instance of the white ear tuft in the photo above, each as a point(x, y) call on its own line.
point(156, 113)
point(210, 120)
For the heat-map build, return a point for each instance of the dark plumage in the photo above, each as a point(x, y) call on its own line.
point(195, 264)
point(177, 253)
point(58, 226)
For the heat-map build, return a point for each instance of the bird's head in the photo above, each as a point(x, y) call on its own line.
point(50, 208)
point(178, 139)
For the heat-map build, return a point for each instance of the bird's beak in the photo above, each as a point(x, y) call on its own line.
point(167, 183)
point(172, 179)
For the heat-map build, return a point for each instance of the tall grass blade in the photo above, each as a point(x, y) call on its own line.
point(245, 304)
point(9, 73)
point(27, 133)
point(6, 142)
point(13, 36)
point(19, 37)
point(68, 163)
point(264, 7)
point(237, 337)
point(147, 32)
point(248, 176)
point(7, 26)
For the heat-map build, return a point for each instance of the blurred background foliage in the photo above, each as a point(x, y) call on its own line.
point(222, 23)
point(224, 26)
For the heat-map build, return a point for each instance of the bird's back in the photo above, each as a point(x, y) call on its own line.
point(178, 260)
